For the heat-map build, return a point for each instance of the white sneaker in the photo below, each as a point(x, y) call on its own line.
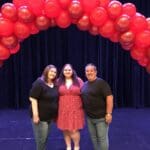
point(68, 148)
point(76, 148)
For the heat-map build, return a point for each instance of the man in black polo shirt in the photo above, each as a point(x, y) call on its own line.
point(98, 105)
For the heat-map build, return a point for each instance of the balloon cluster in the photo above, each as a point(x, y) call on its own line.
point(110, 19)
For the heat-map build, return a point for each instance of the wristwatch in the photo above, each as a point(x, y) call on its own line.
point(108, 114)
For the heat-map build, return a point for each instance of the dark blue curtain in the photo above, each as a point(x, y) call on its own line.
point(130, 82)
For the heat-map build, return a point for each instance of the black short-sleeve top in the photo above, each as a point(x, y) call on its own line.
point(47, 98)
point(94, 97)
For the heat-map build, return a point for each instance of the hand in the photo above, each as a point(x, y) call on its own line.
point(108, 118)
point(36, 119)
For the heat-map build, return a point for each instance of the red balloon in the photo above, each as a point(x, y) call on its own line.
point(52, 8)
point(75, 9)
point(37, 6)
point(136, 54)
point(9, 11)
point(74, 21)
point(98, 16)
point(9, 41)
point(107, 29)
point(19, 3)
point(63, 20)
point(148, 23)
point(64, 3)
point(25, 15)
point(42, 22)
point(143, 39)
point(94, 30)
point(33, 28)
point(148, 52)
point(123, 23)
point(21, 30)
point(4, 52)
point(127, 37)
point(52, 22)
point(127, 46)
point(129, 9)
point(115, 37)
point(114, 9)
point(104, 3)
point(139, 49)
point(138, 23)
point(6, 27)
point(148, 67)
point(89, 5)
point(84, 23)
point(15, 49)
point(143, 62)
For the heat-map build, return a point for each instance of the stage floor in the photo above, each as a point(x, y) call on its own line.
point(130, 130)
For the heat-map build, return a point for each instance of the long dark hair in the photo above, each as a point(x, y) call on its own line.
point(45, 73)
point(61, 79)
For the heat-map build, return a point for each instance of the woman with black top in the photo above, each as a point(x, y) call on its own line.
point(44, 100)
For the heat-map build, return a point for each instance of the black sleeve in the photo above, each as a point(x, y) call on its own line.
point(36, 89)
point(106, 89)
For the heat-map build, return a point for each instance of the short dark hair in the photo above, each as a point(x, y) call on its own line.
point(91, 64)
point(45, 72)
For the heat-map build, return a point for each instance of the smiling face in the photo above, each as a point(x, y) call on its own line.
point(52, 73)
point(49, 74)
point(90, 73)
point(68, 71)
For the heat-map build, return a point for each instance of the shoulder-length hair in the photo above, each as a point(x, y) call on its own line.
point(45, 73)
point(61, 79)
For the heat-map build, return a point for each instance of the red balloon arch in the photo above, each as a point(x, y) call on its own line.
point(108, 18)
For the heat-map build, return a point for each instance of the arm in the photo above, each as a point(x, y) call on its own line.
point(34, 105)
point(109, 108)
